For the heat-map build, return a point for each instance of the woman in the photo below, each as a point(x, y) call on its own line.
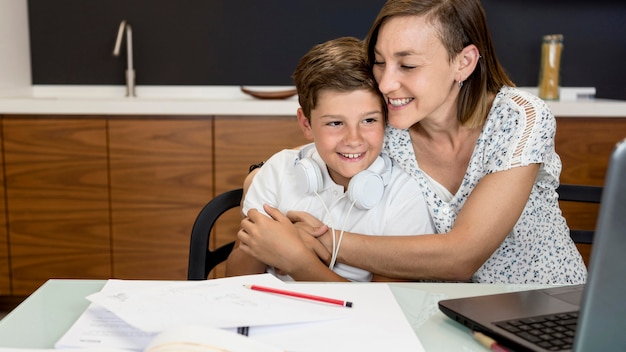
point(481, 150)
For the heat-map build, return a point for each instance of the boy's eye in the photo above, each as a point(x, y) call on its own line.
point(334, 123)
point(370, 120)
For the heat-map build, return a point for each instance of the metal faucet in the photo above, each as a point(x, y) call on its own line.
point(130, 72)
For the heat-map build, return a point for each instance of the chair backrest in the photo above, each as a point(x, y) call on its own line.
point(201, 259)
point(580, 193)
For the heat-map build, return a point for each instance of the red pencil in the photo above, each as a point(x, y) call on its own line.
point(489, 342)
point(300, 295)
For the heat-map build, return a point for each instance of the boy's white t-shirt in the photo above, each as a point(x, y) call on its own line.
point(401, 211)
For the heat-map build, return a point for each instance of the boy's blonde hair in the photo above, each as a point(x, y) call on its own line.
point(339, 64)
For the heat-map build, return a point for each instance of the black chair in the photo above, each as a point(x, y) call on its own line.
point(201, 259)
point(580, 193)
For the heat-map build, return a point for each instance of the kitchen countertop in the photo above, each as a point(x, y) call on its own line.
point(150, 100)
point(226, 100)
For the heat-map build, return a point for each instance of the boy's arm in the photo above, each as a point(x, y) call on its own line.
point(239, 263)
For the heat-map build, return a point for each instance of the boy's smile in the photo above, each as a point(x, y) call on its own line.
point(348, 130)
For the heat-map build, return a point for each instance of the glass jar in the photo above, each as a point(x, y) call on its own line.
point(549, 82)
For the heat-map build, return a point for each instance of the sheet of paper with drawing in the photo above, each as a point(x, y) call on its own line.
point(374, 323)
point(128, 314)
point(223, 303)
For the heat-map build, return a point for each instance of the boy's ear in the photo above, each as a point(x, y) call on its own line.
point(305, 125)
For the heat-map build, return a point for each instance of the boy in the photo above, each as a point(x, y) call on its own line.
point(341, 177)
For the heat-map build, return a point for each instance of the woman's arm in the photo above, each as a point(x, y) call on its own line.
point(486, 218)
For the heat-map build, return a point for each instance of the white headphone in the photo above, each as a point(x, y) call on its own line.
point(365, 189)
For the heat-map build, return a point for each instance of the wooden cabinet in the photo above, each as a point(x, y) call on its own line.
point(240, 142)
point(584, 145)
point(100, 197)
point(161, 175)
point(5, 272)
point(57, 200)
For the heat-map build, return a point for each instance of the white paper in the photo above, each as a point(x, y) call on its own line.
point(374, 323)
point(221, 303)
point(99, 328)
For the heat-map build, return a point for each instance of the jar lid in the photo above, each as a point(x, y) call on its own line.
point(553, 38)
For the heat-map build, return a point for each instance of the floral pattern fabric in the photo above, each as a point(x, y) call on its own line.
point(519, 131)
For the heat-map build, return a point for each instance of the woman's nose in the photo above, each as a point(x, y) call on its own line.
point(387, 81)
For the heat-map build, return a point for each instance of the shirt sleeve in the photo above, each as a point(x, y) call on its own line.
point(520, 132)
point(264, 186)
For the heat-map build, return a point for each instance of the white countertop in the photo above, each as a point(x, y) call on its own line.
point(224, 100)
point(150, 100)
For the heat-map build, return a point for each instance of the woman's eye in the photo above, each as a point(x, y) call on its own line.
point(378, 62)
point(407, 67)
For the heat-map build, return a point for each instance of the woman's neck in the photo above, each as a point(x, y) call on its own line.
point(444, 152)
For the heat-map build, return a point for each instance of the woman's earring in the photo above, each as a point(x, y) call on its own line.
point(461, 84)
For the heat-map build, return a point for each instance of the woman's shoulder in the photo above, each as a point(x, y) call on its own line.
point(513, 97)
point(520, 108)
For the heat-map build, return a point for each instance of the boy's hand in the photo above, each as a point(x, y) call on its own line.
point(310, 227)
point(276, 241)
point(308, 234)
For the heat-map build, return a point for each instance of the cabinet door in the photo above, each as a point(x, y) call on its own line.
point(5, 283)
point(239, 143)
point(161, 177)
point(57, 199)
point(584, 145)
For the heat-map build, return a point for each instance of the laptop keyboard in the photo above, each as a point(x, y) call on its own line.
point(551, 332)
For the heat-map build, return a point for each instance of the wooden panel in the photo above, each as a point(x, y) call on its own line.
point(584, 145)
point(57, 199)
point(161, 177)
point(240, 142)
point(5, 279)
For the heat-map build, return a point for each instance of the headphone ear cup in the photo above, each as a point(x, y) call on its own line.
point(366, 189)
point(309, 176)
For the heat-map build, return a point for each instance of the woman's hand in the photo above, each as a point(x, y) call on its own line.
point(276, 241)
point(310, 227)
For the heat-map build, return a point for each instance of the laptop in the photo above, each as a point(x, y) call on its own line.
point(590, 317)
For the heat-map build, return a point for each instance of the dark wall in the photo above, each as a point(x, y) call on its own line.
point(594, 40)
point(254, 42)
point(186, 42)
